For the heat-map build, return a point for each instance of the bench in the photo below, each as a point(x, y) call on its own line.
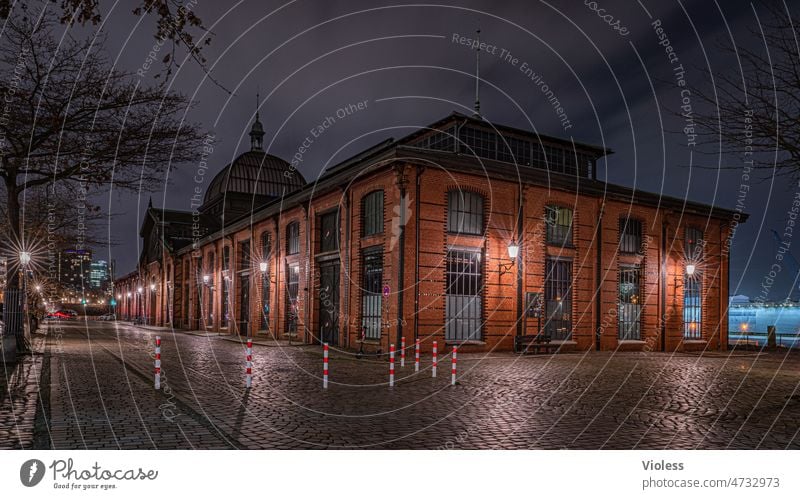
point(535, 342)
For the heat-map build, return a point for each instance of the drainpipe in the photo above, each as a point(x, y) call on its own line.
point(420, 169)
point(347, 241)
point(402, 183)
point(308, 269)
point(663, 286)
point(520, 242)
point(599, 271)
point(278, 270)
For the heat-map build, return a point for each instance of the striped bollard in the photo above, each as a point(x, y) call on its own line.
point(416, 356)
point(433, 369)
point(391, 365)
point(249, 365)
point(157, 363)
point(403, 352)
point(453, 370)
point(325, 365)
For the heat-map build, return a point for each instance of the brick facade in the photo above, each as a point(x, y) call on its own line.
point(414, 244)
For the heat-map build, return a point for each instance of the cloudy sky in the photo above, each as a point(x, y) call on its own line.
point(615, 82)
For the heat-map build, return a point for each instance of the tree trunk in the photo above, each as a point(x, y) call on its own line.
point(13, 310)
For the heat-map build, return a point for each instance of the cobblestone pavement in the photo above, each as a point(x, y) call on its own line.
point(19, 396)
point(101, 396)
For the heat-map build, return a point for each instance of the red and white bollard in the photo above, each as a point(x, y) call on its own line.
point(325, 365)
point(248, 380)
point(416, 356)
point(433, 369)
point(403, 352)
point(391, 365)
point(453, 371)
point(157, 363)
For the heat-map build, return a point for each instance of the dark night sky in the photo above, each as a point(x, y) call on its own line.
point(309, 58)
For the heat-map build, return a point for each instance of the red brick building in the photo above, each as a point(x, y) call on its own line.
point(464, 232)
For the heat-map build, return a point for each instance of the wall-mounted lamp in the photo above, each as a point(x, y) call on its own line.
point(690, 269)
point(129, 294)
point(513, 251)
point(139, 290)
point(152, 287)
point(206, 279)
point(262, 266)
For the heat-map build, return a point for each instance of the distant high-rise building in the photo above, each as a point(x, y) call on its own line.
point(99, 275)
point(74, 269)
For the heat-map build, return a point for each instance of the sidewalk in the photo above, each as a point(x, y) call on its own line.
point(19, 397)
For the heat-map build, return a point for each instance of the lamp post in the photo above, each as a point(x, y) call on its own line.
point(24, 261)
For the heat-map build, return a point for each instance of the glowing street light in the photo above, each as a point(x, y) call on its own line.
point(152, 287)
point(24, 258)
point(262, 266)
point(139, 290)
point(690, 269)
point(513, 250)
point(38, 288)
point(206, 279)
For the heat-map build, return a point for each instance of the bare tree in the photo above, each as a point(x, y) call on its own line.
point(757, 110)
point(70, 123)
point(175, 20)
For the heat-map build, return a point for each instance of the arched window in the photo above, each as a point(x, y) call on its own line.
point(264, 267)
point(372, 213)
point(559, 225)
point(293, 238)
point(464, 212)
point(630, 235)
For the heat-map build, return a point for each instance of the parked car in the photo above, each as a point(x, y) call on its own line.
point(107, 317)
point(61, 315)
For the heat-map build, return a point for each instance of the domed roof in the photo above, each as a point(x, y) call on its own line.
point(256, 173)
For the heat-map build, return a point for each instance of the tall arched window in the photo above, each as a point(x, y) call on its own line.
point(264, 267)
point(372, 213)
point(464, 212)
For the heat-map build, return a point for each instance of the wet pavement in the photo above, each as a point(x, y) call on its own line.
point(99, 395)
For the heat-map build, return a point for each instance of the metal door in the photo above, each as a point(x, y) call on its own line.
point(329, 303)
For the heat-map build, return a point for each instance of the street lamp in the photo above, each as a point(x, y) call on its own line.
point(690, 269)
point(38, 288)
point(24, 258)
point(152, 287)
point(206, 279)
point(139, 290)
point(513, 251)
point(262, 266)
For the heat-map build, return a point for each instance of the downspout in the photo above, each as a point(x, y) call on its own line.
point(420, 169)
point(599, 271)
point(277, 252)
point(402, 183)
point(663, 300)
point(520, 244)
point(347, 239)
point(308, 269)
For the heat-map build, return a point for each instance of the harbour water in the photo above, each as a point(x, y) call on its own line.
point(748, 323)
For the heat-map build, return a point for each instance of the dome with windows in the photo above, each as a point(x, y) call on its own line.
point(253, 179)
